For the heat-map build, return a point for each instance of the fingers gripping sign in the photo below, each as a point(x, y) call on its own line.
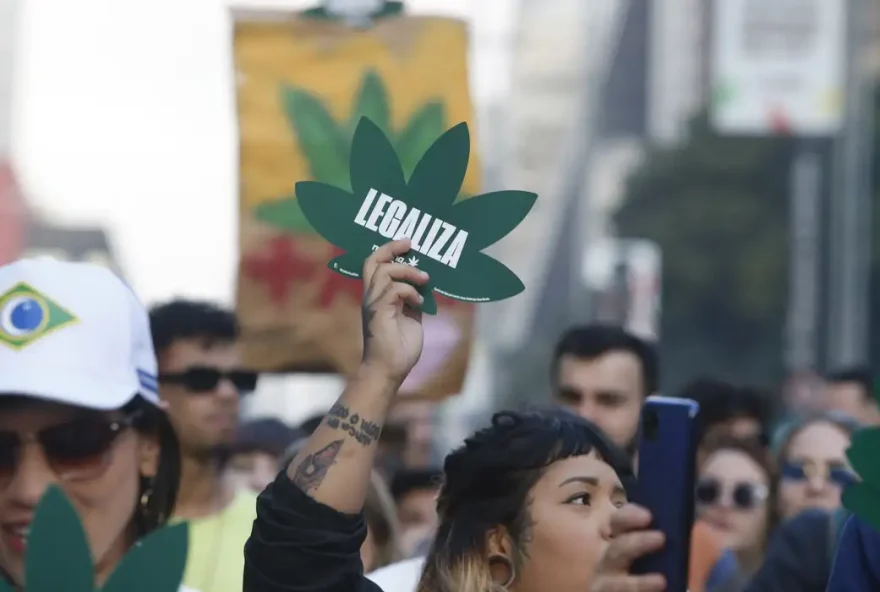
point(630, 540)
point(392, 321)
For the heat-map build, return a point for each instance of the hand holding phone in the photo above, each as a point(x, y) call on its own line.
point(665, 484)
point(631, 541)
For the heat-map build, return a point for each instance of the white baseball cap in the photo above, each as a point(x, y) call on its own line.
point(73, 333)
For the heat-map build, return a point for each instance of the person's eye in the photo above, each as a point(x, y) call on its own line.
point(610, 400)
point(581, 499)
point(570, 397)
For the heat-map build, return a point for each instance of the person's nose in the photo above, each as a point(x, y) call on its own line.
point(816, 484)
point(588, 410)
point(605, 530)
point(32, 477)
point(227, 390)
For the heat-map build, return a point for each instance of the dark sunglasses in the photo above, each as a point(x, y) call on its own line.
point(744, 495)
point(76, 450)
point(202, 379)
point(803, 471)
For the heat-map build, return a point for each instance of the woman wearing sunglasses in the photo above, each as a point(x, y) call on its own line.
point(79, 410)
point(811, 454)
point(735, 494)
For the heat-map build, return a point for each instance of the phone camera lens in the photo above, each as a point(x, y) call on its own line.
point(650, 424)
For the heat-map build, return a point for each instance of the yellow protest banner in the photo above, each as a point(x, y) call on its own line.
point(302, 85)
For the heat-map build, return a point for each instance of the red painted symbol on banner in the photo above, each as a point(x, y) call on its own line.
point(278, 268)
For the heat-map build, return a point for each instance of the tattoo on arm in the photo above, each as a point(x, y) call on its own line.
point(364, 432)
point(368, 312)
point(314, 467)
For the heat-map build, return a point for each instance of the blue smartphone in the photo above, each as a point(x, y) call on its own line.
point(665, 481)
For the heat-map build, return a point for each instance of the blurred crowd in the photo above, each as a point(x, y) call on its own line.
point(769, 484)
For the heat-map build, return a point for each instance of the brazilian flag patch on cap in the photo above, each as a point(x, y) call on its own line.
point(26, 315)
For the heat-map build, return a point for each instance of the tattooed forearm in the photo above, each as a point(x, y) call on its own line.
point(312, 470)
point(365, 432)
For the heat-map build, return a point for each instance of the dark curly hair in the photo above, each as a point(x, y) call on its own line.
point(186, 319)
point(487, 483)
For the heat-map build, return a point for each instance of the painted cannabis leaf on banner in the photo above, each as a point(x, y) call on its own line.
point(326, 142)
point(58, 556)
point(380, 204)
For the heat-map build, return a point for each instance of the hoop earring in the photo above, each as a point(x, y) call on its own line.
point(510, 568)
point(145, 499)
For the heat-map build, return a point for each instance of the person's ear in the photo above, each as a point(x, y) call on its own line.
point(148, 454)
point(498, 542)
point(500, 553)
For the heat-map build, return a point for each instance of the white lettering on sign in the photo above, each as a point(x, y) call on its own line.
point(394, 220)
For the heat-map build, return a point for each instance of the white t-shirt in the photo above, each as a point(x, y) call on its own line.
point(402, 576)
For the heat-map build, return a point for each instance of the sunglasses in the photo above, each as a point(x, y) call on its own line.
point(744, 495)
point(77, 450)
point(804, 471)
point(202, 379)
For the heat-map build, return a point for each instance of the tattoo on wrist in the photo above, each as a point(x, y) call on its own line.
point(365, 432)
point(311, 471)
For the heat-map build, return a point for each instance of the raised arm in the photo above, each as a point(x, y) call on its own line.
point(309, 530)
point(334, 465)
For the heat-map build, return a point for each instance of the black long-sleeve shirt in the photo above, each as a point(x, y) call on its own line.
point(300, 545)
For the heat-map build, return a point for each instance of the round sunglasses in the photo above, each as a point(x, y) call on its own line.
point(76, 450)
point(202, 379)
point(744, 495)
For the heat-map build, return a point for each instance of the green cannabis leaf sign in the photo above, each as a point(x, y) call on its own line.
point(58, 556)
point(326, 143)
point(447, 237)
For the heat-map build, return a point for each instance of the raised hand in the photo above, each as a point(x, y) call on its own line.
point(392, 322)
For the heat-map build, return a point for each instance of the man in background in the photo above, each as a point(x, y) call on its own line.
point(415, 419)
point(604, 374)
point(415, 496)
point(201, 381)
point(851, 391)
point(256, 454)
point(727, 410)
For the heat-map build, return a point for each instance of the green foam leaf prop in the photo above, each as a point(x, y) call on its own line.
point(447, 237)
point(863, 498)
point(155, 563)
point(58, 555)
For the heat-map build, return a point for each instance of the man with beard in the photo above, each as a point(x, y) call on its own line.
point(201, 381)
point(604, 374)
